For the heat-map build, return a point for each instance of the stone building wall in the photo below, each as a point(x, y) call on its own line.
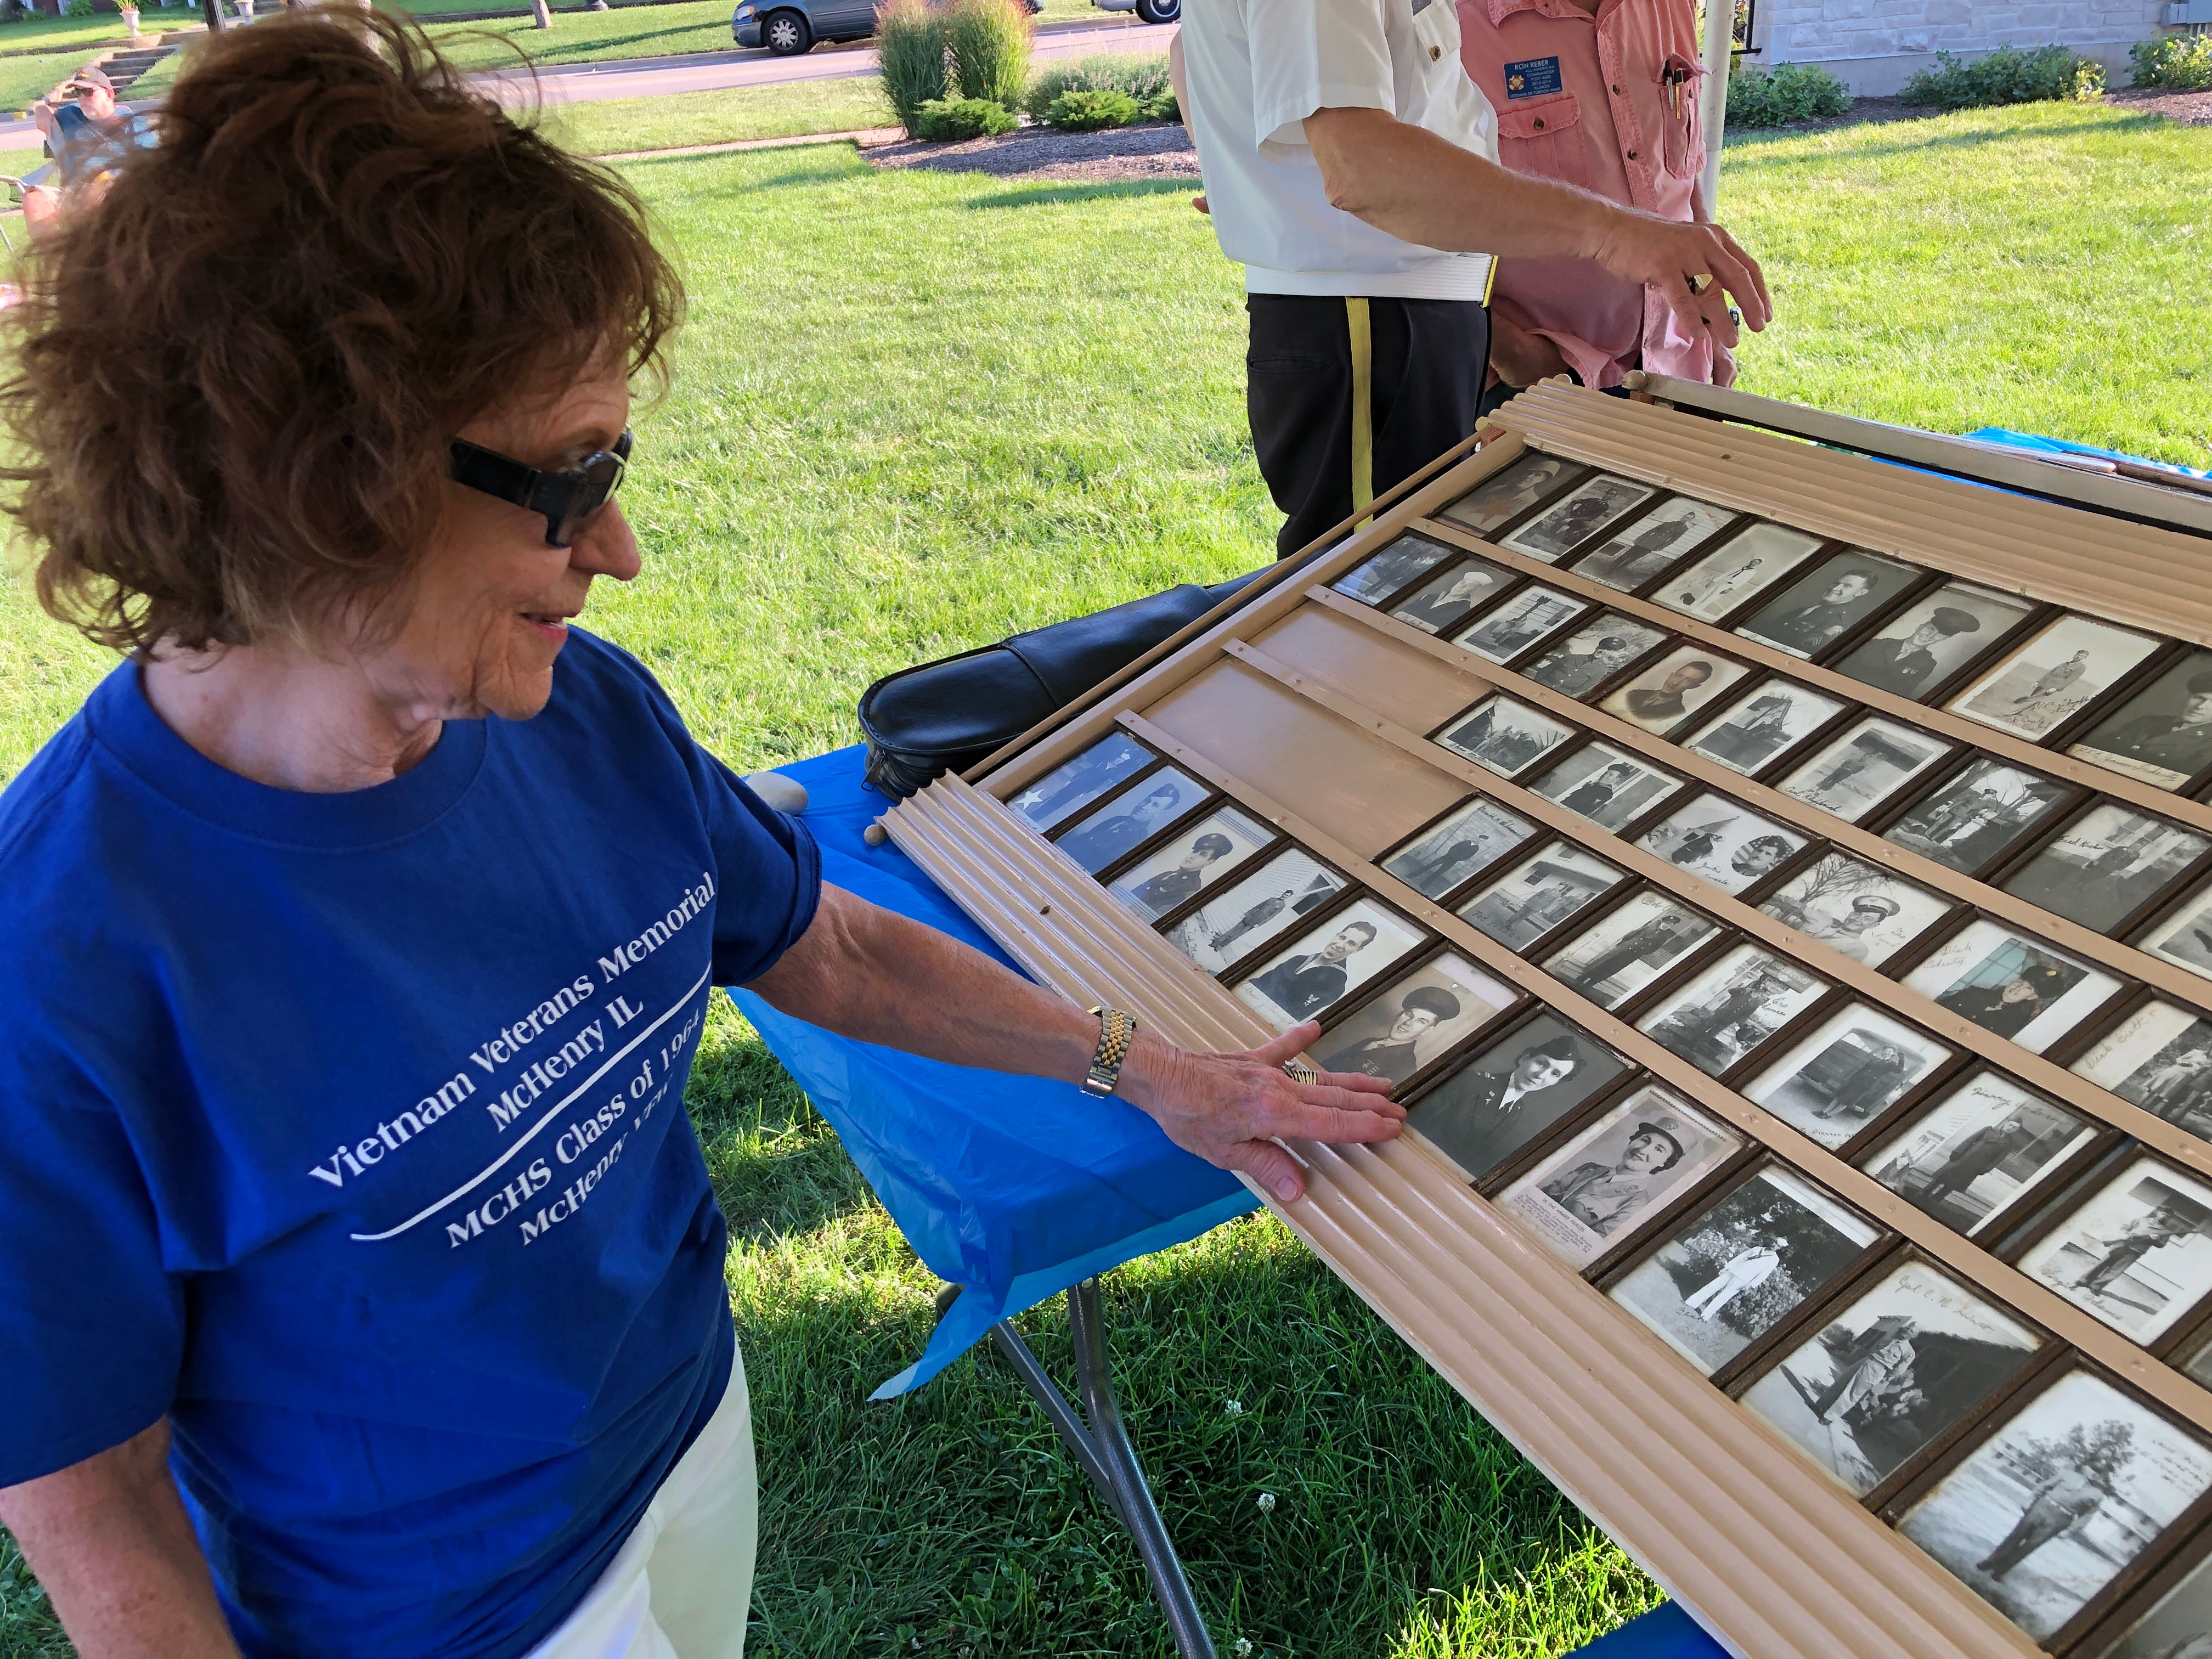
point(1874, 45)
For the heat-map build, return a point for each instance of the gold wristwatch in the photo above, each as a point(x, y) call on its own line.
point(1114, 1030)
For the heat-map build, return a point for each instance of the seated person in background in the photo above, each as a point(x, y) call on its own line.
point(1602, 94)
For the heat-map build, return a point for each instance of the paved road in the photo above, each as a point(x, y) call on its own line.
point(653, 77)
point(709, 71)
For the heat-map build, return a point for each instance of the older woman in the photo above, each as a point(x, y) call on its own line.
point(361, 1285)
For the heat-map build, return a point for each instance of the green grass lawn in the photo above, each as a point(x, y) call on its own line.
point(711, 117)
point(917, 411)
point(629, 32)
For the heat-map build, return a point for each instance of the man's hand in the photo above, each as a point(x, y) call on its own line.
point(1228, 1108)
point(1521, 358)
point(1671, 256)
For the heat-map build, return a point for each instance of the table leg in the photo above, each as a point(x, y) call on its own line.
point(1102, 1450)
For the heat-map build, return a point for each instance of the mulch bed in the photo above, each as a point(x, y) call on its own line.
point(2190, 109)
point(1163, 149)
point(1156, 150)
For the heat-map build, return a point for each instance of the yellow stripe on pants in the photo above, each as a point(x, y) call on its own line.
point(1363, 403)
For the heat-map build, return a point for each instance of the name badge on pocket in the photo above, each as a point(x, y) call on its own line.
point(1532, 77)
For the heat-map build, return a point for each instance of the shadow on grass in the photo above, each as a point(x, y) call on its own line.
point(951, 1519)
point(1117, 190)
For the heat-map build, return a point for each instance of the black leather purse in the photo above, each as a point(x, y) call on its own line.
point(947, 715)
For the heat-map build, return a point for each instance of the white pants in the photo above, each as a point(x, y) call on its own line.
point(682, 1584)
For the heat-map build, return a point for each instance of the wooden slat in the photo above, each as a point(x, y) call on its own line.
point(1776, 1563)
point(2136, 573)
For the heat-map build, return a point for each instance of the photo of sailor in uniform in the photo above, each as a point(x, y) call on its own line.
point(1737, 572)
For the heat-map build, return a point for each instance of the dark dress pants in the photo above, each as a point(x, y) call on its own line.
point(1350, 397)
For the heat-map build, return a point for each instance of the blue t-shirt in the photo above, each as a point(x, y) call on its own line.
point(348, 1131)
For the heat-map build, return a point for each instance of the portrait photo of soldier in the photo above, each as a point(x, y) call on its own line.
point(1933, 638)
point(2163, 734)
point(1819, 608)
point(1588, 509)
point(1504, 1098)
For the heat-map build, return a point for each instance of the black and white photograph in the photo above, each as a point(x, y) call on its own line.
point(1773, 719)
point(1731, 1009)
point(2060, 1501)
point(2159, 1058)
point(1535, 1075)
point(1512, 492)
point(1593, 654)
point(1618, 1176)
point(2059, 672)
point(1609, 786)
point(1255, 910)
point(2106, 866)
point(1132, 817)
point(1399, 565)
point(1630, 947)
point(1862, 767)
point(1663, 537)
point(2019, 987)
point(2138, 1255)
point(1414, 1021)
point(1073, 784)
point(1474, 836)
point(1976, 818)
point(1934, 637)
point(2178, 1625)
point(1891, 1375)
point(1856, 908)
point(1972, 1158)
point(1845, 1073)
point(2197, 1363)
point(1730, 577)
point(1520, 621)
point(1828, 602)
point(1505, 735)
point(1449, 596)
point(1200, 855)
point(1539, 894)
point(1351, 949)
point(1667, 695)
point(1744, 1265)
point(1719, 841)
point(1586, 510)
point(2163, 733)
point(2184, 939)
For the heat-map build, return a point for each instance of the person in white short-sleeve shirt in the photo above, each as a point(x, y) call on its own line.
point(1351, 167)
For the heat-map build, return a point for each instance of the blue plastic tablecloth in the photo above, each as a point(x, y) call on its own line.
point(1999, 435)
point(1013, 1188)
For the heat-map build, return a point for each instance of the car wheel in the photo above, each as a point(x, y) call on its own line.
point(1159, 11)
point(785, 33)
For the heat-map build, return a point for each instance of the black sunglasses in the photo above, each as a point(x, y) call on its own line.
point(568, 498)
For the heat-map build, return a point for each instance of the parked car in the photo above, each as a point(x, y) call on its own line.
point(1153, 11)
point(785, 26)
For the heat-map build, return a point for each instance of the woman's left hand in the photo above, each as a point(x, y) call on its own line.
point(1230, 1108)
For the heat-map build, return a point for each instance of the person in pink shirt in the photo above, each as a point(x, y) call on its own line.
point(1602, 94)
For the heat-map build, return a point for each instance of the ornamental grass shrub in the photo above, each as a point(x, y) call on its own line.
point(1138, 77)
point(2180, 61)
point(989, 41)
point(1784, 94)
point(2007, 76)
point(949, 120)
point(910, 49)
point(1091, 111)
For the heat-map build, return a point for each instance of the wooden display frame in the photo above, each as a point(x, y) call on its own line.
point(1311, 711)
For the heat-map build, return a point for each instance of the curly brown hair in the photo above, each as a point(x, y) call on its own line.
point(235, 374)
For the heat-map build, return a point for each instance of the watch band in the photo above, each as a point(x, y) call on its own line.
point(1115, 1029)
